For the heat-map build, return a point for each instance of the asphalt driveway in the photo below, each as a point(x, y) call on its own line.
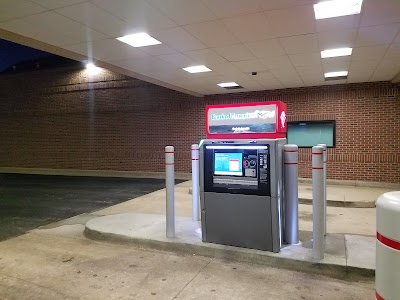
point(30, 201)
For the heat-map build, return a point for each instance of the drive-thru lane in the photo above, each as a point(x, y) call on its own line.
point(30, 201)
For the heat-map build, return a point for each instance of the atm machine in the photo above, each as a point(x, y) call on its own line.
point(241, 175)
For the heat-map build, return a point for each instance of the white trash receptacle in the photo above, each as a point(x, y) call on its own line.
point(387, 274)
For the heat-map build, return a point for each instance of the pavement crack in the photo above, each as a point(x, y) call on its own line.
point(197, 274)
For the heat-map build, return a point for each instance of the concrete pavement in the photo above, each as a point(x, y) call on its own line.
point(340, 219)
point(343, 195)
point(148, 231)
point(60, 263)
point(142, 221)
point(57, 261)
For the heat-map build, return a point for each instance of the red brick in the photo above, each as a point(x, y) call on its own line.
point(63, 119)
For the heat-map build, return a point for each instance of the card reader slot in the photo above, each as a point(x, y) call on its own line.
point(235, 181)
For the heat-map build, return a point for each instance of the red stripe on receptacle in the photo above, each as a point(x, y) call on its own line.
point(388, 242)
point(378, 297)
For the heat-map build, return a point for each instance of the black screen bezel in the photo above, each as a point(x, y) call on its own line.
point(261, 190)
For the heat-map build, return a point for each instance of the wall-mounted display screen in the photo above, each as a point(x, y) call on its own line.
point(228, 164)
point(311, 133)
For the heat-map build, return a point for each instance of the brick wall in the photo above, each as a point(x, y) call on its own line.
point(367, 126)
point(66, 120)
point(63, 119)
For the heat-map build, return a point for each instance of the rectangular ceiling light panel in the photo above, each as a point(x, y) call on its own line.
point(197, 69)
point(337, 8)
point(336, 74)
point(139, 40)
point(336, 52)
point(228, 84)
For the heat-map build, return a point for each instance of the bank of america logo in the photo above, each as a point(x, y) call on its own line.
point(265, 114)
point(283, 119)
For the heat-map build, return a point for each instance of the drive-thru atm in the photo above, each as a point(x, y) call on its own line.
point(241, 175)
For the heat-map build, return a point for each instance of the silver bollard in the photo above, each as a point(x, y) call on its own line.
point(170, 185)
point(325, 197)
point(195, 182)
point(318, 202)
point(291, 189)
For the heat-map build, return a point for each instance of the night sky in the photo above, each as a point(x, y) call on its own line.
point(12, 53)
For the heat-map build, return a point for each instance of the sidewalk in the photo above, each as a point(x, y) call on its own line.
point(342, 255)
point(342, 195)
point(350, 240)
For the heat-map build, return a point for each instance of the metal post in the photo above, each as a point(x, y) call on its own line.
point(318, 202)
point(291, 188)
point(170, 184)
point(325, 197)
point(195, 182)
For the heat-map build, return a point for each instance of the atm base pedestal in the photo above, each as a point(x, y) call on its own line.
point(238, 220)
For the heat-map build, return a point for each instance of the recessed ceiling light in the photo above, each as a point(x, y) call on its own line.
point(336, 52)
point(197, 69)
point(141, 39)
point(227, 84)
point(337, 8)
point(336, 74)
point(92, 69)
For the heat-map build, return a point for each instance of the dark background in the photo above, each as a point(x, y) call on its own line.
point(12, 53)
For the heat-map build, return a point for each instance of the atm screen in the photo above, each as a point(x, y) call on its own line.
point(228, 164)
point(237, 168)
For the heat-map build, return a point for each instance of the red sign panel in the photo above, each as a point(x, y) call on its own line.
point(247, 120)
